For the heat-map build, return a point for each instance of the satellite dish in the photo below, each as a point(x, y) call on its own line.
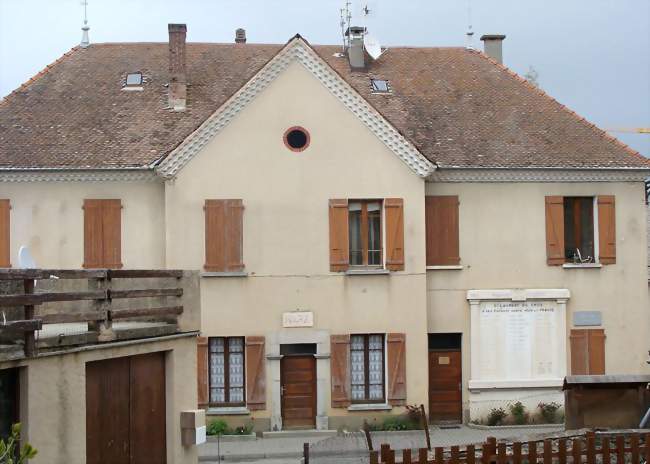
point(25, 260)
point(372, 46)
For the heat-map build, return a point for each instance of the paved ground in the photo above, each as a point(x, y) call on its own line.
point(288, 450)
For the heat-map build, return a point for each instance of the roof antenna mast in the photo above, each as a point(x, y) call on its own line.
point(470, 32)
point(346, 19)
point(85, 41)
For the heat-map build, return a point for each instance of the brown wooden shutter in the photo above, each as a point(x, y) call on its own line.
point(555, 231)
point(587, 351)
point(394, 208)
point(579, 352)
point(340, 370)
point(112, 233)
point(5, 234)
point(396, 362)
point(441, 217)
point(339, 247)
point(93, 242)
point(202, 371)
point(596, 339)
point(607, 229)
point(224, 235)
point(255, 374)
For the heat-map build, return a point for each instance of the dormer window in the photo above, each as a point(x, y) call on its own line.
point(380, 86)
point(134, 79)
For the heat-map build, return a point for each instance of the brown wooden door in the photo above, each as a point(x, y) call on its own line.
point(125, 410)
point(298, 385)
point(445, 377)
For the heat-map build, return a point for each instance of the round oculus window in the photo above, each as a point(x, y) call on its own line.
point(296, 138)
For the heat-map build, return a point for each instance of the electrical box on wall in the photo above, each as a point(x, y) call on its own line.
point(193, 430)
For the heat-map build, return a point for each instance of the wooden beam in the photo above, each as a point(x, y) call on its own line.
point(28, 325)
point(143, 273)
point(152, 292)
point(44, 274)
point(142, 312)
point(85, 316)
point(39, 298)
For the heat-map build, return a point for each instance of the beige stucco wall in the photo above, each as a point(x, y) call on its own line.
point(48, 218)
point(286, 234)
point(503, 245)
point(53, 393)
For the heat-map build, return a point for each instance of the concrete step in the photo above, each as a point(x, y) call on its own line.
point(300, 434)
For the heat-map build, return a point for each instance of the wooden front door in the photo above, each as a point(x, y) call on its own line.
point(445, 381)
point(125, 410)
point(298, 390)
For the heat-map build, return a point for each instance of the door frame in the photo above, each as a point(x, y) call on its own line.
point(315, 386)
point(459, 350)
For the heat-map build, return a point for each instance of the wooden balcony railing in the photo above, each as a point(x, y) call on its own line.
point(100, 296)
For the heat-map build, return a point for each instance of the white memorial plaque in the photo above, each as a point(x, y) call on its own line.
point(298, 319)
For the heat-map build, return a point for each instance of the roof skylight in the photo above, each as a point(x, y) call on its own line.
point(380, 85)
point(134, 79)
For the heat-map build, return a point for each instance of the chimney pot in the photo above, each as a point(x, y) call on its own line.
point(240, 36)
point(493, 46)
point(177, 66)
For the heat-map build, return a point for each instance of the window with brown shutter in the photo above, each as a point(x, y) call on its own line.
point(394, 233)
point(396, 354)
point(571, 230)
point(441, 217)
point(338, 241)
point(226, 362)
point(224, 235)
point(5, 253)
point(587, 351)
point(607, 229)
point(202, 371)
point(255, 374)
point(340, 370)
point(367, 373)
point(102, 234)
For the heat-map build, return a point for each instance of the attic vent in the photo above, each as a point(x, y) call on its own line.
point(380, 85)
point(133, 79)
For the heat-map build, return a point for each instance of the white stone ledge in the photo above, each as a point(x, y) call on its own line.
point(370, 407)
point(229, 411)
point(522, 383)
point(582, 266)
point(369, 271)
point(225, 274)
point(451, 267)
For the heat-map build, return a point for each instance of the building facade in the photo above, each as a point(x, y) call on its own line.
point(426, 228)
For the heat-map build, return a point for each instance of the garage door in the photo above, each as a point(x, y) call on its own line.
point(125, 410)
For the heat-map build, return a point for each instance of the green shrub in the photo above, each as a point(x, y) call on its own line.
point(394, 423)
point(549, 412)
point(8, 453)
point(496, 416)
point(241, 430)
point(217, 427)
point(518, 412)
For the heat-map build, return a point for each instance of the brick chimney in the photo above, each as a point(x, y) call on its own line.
point(177, 67)
point(240, 36)
point(493, 46)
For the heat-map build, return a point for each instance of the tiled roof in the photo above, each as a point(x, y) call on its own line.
point(458, 107)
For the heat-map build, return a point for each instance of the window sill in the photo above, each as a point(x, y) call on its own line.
point(367, 271)
point(370, 407)
point(225, 274)
point(132, 88)
point(450, 267)
point(229, 411)
point(582, 266)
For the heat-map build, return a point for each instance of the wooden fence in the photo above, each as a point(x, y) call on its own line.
point(590, 448)
point(100, 292)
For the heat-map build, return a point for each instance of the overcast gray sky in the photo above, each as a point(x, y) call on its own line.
point(591, 55)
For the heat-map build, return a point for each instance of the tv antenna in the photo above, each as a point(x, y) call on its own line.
point(85, 41)
point(470, 32)
point(346, 20)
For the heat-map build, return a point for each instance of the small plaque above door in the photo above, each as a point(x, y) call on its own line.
point(298, 319)
point(443, 360)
